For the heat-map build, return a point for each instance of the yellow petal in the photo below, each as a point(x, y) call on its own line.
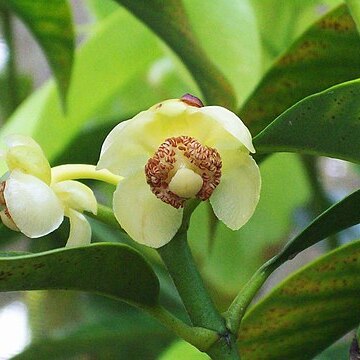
point(129, 145)
point(123, 154)
point(26, 155)
point(142, 215)
point(75, 195)
point(231, 123)
point(80, 229)
point(235, 198)
point(21, 140)
point(33, 205)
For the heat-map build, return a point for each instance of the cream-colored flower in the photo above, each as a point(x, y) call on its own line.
point(177, 150)
point(32, 204)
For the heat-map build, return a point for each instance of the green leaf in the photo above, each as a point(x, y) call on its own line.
point(307, 312)
point(340, 216)
point(51, 24)
point(338, 351)
point(170, 22)
point(354, 7)
point(183, 350)
point(240, 56)
point(112, 270)
point(327, 54)
point(105, 339)
point(281, 22)
point(101, 8)
point(127, 46)
point(327, 123)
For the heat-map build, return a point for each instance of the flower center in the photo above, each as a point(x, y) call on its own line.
point(181, 169)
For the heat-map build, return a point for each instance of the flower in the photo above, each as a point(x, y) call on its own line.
point(177, 150)
point(35, 206)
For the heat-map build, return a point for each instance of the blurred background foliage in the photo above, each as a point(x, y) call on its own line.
point(121, 67)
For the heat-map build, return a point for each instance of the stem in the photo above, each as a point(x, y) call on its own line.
point(237, 309)
point(83, 171)
point(225, 349)
point(199, 337)
point(180, 263)
point(12, 85)
point(106, 216)
point(210, 333)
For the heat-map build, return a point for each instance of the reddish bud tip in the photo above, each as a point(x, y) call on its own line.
point(192, 100)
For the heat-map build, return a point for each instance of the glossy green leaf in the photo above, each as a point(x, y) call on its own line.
point(170, 22)
point(340, 216)
point(327, 54)
point(109, 269)
point(51, 24)
point(327, 123)
point(307, 312)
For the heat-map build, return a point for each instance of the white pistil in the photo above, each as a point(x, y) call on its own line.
point(186, 183)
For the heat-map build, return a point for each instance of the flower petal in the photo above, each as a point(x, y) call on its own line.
point(76, 195)
point(8, 221)
point(231, 123)
point(235, 198)
point(130, 144)
point(26, 155)
point(80, 229)
point(120, 153)
point(20, 140)
point(142, 215)
point(33, 205)
point(29, 160)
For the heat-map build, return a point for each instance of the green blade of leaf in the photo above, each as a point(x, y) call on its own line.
point(51, 24)
point(170, 22)
point(354, 7)
point(120, 93)
point(327, 54)
point(327, 123)
point(282, 22)
point(112, 270)
point(340, 216)
point(308, 311)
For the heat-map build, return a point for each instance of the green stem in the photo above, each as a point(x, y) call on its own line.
point(320, 200)
point(179, 261)
point(106, 216)
point(199, 337)
point(224, 349)
point(210, 333)
point(197, 301)
point(83, 171)
point(237, 309)
point(12, 85)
